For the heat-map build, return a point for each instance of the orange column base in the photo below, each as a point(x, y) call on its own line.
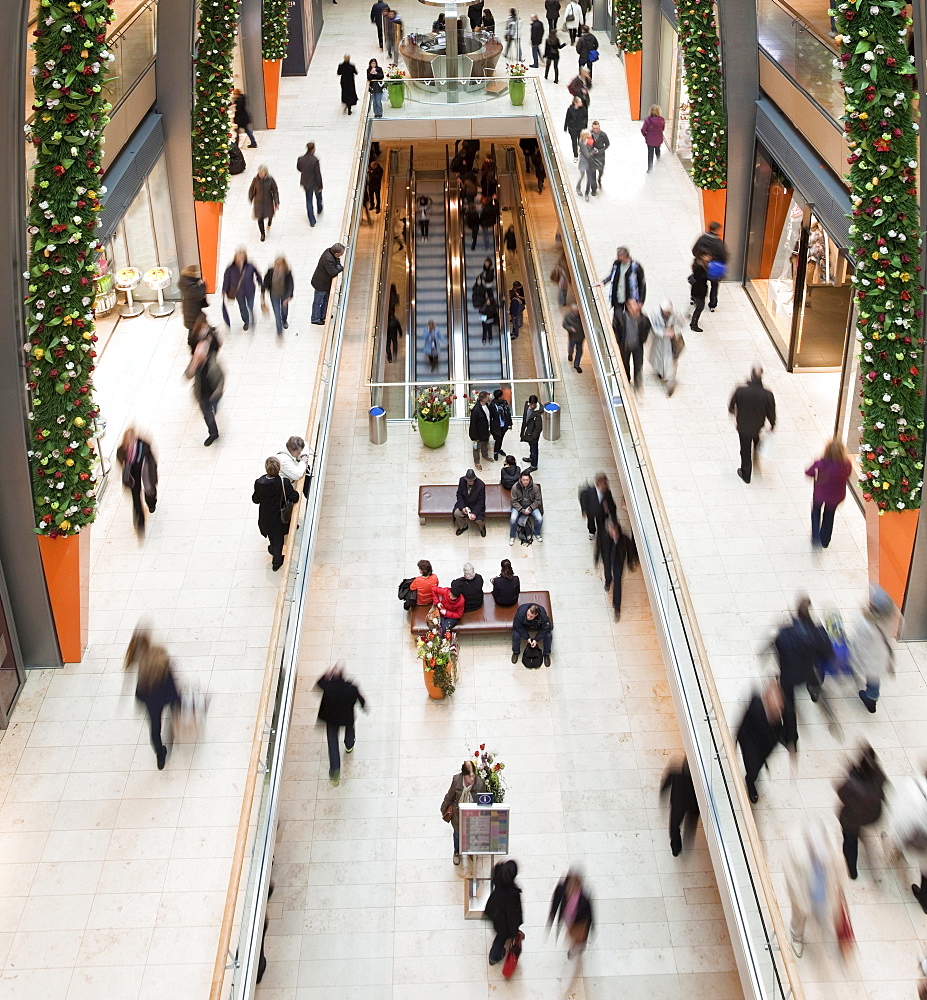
point(66, 562)
point(714, 205)
point(272, 70)
point(890, 546)
point(632, 70)
point(208, 222)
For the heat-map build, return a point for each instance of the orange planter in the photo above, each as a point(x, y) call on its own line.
point(66, 562)
point(890, 546)
point(271, 90)
point(632, 70)
point(433, 690)
point(714, 205)
point(208, 223)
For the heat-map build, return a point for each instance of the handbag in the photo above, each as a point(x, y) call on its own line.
point(679, 344)
point(286, 507)
point(433, 617)
point(513, 950)
point(532, 658)
point(716, 270)
point(127, 478)
point(593, 55)
point(845, 936)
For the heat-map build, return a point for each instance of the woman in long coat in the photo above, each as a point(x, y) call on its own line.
point(347, 71)
point(271, 491)
point(666, 325)
point(265, 197)
point(466, 781)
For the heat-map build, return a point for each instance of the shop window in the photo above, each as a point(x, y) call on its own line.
point(673, 96)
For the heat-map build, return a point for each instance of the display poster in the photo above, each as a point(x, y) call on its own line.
point(484, 829)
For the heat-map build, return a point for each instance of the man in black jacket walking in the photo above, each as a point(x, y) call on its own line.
point(586, 43)
point(471, 503)
point(752, 404)
point(327, 269)
point(376, 17)
point(537, 36)
point(339, 696)
point(531, 427)
point(710, 242)
point(310, 179)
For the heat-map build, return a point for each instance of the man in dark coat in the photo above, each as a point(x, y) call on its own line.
point(597, 503)
point(632, 328)
point(532, 618)
point(208, 386)
point(861, 796)
point(500, 420)
point(552, 10)
point(531, 427)
point(537, 36)
point(503, 908)
point(373, 186)
point(471, 503)
point(586, 43)
point(192, 294)
point(376, 17)
point(489, 216)
point(327, 269)
point(752, 404)
point(470, 586)
point(759, 732)
point(336, 710)
point(242, 118)
point(479, 429)
point(139, 473)
point(710, 242)
point(802, 647)
point(683, 804)
point(310, 179)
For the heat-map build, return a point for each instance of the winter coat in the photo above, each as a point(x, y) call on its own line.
point(586, 162)
point(156, 699)
point(861, 795)
point(531, 424)
point(509, 475)
point(500, 416)
point(830, 481)
point(503, 908)
point(327, 269)
point(310, 172)
point(489, 215)
point(267, 284)
point(801, 647)
point(242, 116)
point(541, 622)
point(713, 245)
point(451, 799)
point(600, 510)
point(347, 71)
point(577, 87)
point(552, 8)
point(576, 119)
point(756, 735)
point(573, 324)
point(339, 696)
point(635, 284)
point(239, 282)
point(573, 15)
point(537, 32)
point(652, 131)
point(192, 297)
point(871, 653)
point(585, 44)
point(209, 380)
point(269, 493)
point(698, 280)
point(479, 424)
point(583, 914)
point(505, 591)
point(753, 404)
point(471, 590)
point(447, 605)
point(527, 497)
point(141, 466)
point(472, 495)
point(264, 195)
point(552, 48)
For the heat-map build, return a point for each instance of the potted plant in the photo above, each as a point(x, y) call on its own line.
point(517, 72)
point(490, 770)
point(438, 653)
point(395, 86)
point(433, 412)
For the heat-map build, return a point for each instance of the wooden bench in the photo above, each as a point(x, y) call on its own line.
point(489, 619)
point(439, 501)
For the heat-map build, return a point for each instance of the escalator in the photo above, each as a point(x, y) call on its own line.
point(431, 288)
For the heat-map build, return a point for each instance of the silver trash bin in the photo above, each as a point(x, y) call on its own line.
point(376, 425)
point(551, 421)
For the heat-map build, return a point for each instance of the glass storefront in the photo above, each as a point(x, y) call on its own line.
point(673, 96)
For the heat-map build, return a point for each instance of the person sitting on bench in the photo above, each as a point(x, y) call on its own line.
point(526, 499)
point(470, 506)
point(530, 618)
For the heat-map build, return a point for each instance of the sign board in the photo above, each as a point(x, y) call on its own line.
point(484, 798)
point(484, 829)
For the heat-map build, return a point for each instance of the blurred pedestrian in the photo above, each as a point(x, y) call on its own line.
point(577, 119)
point(265, 197)
point(617, 550)
point(628, 282)
point(815, 883)
point(587, 165)
point(580, 86)
point(239, 284)
point(489, 216)
point(327, 269)
point(512, 33)
point(710, 242)
point(373, 186)
point(861, 795)
point(375, 87)
point(552, 48)
point(192, 294)
point(572, 19)
point(572, 908)
point(156, 689)
point(753, 405)
point(242, 118)
point(587, 48)
point(293, 461)
point(667, 343)
point(802, 648)
point(537, 35)
point(537, 163)
point(275, 497)
point(758, 733)
point(552, 10)
point(346, 72)
point(907, 828)
point(432, 345)
point(597, 503)
point(516, 308)
point(139, 474)
point(677, 781)
point(652, 131)
point(871, 652)
point(278, 284)
point(464, 787)
point(393, 333)
point(208, 385)
point(376, 18)
point(503, 908)
point(632, 330)
point(310, 180)
point(204, 331)
point(698, 284)
point(830, 474)
point(576, 335)
point(336, 710)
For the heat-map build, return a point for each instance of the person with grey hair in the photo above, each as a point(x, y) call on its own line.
point(327, 269)
point(470, 585)
point(666, 325)
point(294, 461)
point(871, 653)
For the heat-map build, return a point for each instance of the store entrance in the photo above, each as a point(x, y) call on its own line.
point(797, 276)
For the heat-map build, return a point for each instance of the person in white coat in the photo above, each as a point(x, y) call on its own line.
point(814, 872)
point(294, 461)
point(573, 18)
point(907, 830)
point(666, 325)
point(871, 652)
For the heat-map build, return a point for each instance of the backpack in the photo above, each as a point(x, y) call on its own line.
point(524, 530)
point(716, 270)
point(237, 164)
point(593, 55)
point(532, 657)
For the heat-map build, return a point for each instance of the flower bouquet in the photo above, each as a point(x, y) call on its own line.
point(394, 72)
point(434, 403)
point(517, 69)
point(395, 86)
point(438, 653)
point(490, 770)
point(516, 72)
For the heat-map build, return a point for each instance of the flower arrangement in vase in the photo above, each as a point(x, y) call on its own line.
point(490, 770)
point(516, 72)
point(395, 85)
point(438, 653)
point(433, 411)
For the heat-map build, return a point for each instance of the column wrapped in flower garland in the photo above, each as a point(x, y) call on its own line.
point(698, 38)
point(71, 56)
point(629, 30)
point(275, 35)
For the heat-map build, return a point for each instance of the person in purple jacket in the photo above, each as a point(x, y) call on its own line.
point(652, 131)
point(830, 474)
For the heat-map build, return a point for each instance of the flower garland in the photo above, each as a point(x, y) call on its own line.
point(70, 113)
point(628, 25)
point(878, 78)
point(212, 95)
point(275, 32)
point(698, 38)
point(490, 770)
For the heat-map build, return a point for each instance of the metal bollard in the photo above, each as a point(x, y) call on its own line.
point(376, 425)
point(551, 419)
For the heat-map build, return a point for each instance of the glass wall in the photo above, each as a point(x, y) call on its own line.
point(673, 96)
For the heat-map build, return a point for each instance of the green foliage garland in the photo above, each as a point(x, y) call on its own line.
point(275, 32)
point(70, 113)
point(698, 38)
point(212, 96)
point(628, 25)
point(878, 82)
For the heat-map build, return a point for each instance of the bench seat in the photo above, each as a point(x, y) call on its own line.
point(489, 619)
point(439, 501)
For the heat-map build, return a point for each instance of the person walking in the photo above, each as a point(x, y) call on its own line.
point(586, 164)
point(628, 282)
point(489, 216)
point(310, 179)
point(573, 324)
point(587, 47)
point(698, 283)
point(617, 551)
point(571, 907)
point(375, 87)
point(552, 48)
point(597, 504)
point(393, 333)
point(503, 908)
point(677, 781)
point(479, 428)
point(192, 294)
point(531, 427)
point(814, 881)
point(537, 36)
point(204, 332)
point(652, 130)
point(516, 308)
point(432, 345)
point(265, 197)
point(666, 346)
point(336, 710)
point(580, 86)
point(489, 316)
point(537, 163)
point(376, 18)
point(759, 732)
point(512, 34)
point(156, 689)
point(327, 269)
point(278, 284)
point(208, 385)
point(600, 142)
point(346, 72)
point(274, 495)
point(239, 284)
point(577, 118)
point(572, 19)
point(830, 474)
point(241, 116)
point(373, 186)
point(422, 208)
point(552, 10)
point(871, 652)
point(752, 405)
point(710, 243)
point(907, 829)
point(464, 788)
point(500, 420)
point(139, 474)
point(861, 795)
point(632, 333)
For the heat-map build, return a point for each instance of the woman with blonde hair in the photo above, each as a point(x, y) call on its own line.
point(347, 71)
point(275, 496)
point(278, 284)
point(652, 131)
point(830, 474)
point(155, 688)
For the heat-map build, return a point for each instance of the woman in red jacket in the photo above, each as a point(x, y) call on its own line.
point(450, 606)
point(830, 474)
point(652, 131)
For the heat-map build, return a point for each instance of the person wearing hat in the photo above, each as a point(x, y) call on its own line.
point(871, 653)
point(470, 507)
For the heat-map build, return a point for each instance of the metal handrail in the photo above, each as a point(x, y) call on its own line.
point(806, 25)
point(443, 381)
point(129, 21)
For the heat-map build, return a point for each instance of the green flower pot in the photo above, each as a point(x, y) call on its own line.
point(396, 93)
point(434, 432)
point(517, 90)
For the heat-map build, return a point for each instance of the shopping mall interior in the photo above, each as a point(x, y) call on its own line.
point(241, 869)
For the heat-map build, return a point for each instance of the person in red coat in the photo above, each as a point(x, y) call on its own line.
point(652, 131)
point(450, 605)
